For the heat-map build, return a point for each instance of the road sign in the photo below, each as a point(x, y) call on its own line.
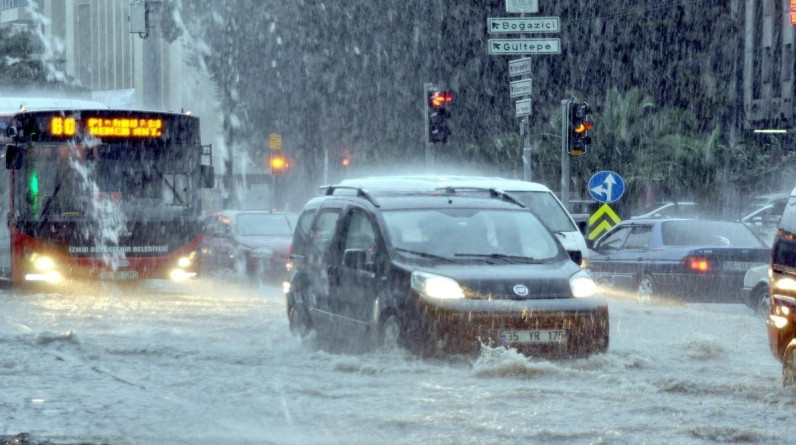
point(520, 88)
point(518, 25)
point(521, 6)
point(606, 186)
point(522, 108)
point(275, 141)
point(519, 67)
point(602, 220)
point(500, 47)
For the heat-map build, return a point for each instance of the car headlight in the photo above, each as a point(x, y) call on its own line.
point(184, 262)
point(436, 286)
point(263, 252)
point(582, 285)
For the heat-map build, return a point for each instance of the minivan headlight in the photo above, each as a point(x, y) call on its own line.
point(436, 286)
point(582, 285)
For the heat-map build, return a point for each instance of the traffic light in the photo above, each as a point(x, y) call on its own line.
point(277, 162)
point(345, 161)
point(438, 130)
point(578, 138)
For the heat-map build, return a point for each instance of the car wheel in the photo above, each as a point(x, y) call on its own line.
point(789, 366)
point(646, 286)
point(760, 301)
point(390, 333)
point(299, 320)
point(240, 265)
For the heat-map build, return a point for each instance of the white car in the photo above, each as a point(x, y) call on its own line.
point(755, 287)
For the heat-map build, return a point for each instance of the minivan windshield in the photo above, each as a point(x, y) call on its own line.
point(547, 208)
point(460, 233)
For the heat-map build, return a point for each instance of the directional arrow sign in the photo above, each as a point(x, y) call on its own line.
point(520, 88)
point(522, 6)
point(519, 67)
point(523, 108)
point(518, 25)
point(499, 47)
point(606, 186)
point(605, 215)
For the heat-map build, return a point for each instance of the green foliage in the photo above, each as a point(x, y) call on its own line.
point(662, 81)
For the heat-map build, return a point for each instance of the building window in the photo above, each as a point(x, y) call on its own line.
point(11, 4)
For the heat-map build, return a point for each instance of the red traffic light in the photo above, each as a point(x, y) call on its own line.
point(440, 98)
point(345, 162)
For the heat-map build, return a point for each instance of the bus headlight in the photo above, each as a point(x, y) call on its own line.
point(43, 263)
point(184, 262)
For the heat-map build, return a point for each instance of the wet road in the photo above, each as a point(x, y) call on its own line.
point(215, 363)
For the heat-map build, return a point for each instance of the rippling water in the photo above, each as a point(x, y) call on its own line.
point(216, 364)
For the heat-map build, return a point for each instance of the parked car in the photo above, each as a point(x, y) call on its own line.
point(682, 259)
point(537, 197)
point(781, 321)
point(763, 213)
point(755, 289)
point(681, 209)
point(251, 243)
point(438, 271)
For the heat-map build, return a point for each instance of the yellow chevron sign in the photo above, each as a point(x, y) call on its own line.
point(600, 221)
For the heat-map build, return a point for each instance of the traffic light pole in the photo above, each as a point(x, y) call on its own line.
point(564, 155)
point(427, 87)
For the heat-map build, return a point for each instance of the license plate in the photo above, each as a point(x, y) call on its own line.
point(739, 265)
point(534, 336)
point(118, 275)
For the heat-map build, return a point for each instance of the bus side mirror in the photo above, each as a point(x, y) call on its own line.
point(207, 176)
point(14, 154)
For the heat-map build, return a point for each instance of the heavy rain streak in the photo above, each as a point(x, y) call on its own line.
point(295, 222)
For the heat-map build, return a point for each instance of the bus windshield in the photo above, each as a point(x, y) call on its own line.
point(64, 181)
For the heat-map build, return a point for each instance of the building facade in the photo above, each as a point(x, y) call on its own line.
point(91, 41)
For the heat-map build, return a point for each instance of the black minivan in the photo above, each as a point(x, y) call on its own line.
point(437, 271)
point(782, 288)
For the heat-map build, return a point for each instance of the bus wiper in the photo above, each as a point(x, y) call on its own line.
point(423, 254)
point(501, 256)
point(171, 186)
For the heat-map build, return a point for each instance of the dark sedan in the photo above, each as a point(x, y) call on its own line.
point(682, 259)
point(251, 243)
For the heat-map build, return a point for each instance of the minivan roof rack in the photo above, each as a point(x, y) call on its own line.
point(493, 192)
point(329, 190)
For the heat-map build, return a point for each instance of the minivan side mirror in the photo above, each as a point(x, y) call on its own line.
point(576, 256)
point(355, 258)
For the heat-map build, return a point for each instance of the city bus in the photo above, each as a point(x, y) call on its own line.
point(94, 193)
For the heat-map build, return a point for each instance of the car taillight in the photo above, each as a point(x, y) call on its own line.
point(697, 264)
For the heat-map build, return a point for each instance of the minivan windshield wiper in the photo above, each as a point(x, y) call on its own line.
point(423, 254)
point(502, 256)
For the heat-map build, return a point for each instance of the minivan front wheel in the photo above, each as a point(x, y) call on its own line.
point(390, 333)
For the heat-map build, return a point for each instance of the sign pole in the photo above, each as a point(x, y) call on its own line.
point(525, 130)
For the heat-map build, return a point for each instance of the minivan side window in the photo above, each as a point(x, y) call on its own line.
point(324, 227)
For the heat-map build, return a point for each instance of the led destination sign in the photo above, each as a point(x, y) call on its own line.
point(108, 127)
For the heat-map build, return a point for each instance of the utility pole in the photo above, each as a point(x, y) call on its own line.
point(144, 21)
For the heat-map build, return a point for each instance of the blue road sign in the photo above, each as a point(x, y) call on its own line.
point(606, 186)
